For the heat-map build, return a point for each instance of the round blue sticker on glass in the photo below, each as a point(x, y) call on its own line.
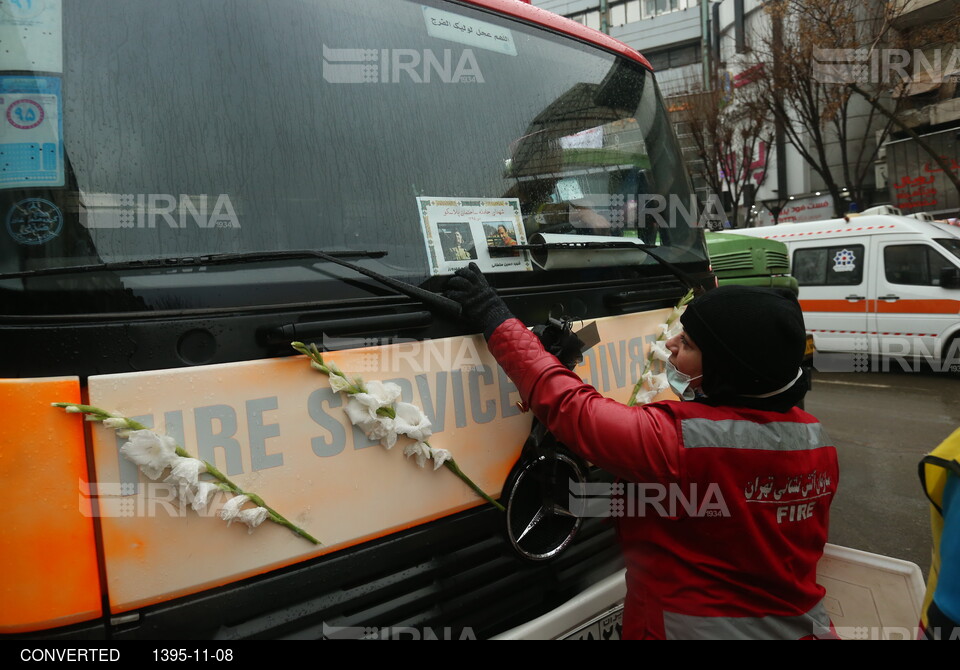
point(34, 221)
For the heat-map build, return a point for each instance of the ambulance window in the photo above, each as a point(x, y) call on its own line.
point(829, 266)
point(913, 264)
point(951, 245)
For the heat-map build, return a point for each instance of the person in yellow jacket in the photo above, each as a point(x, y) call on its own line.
point(940, 476)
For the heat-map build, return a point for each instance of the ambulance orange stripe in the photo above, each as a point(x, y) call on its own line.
point(833, 306)
point(48, 559)
point(910, 306)
point(918, 307)
point(871, 332)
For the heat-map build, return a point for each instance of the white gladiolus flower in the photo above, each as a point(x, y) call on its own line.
point(374, 426)
point(652, 386)
point(381, 429)
point(378, 395)
point(198, 496)
point(362, 408)
point(412, 422)
point(386, 393)
point(660, 351)
point(667, 330)
point(659, 382)
point(230, 511)
point(185, 472)
point(357, 412)
point(655, 382)
point(643, 397)
point(152, 452)
point(420, 450)
point(338, 383)
point(252, 517)
point(675, 326)
point(441, 456)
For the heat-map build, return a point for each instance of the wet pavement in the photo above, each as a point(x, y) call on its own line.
point(882, 424)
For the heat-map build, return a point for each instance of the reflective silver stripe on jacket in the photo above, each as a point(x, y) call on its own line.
point(745, 434)
point(815, 623)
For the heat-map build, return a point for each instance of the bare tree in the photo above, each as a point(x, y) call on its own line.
point(730, 135)
point(814, 113)
point(850, 104)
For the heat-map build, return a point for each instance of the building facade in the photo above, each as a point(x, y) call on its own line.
point(694, 46)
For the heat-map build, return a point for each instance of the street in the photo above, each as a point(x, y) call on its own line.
point(882, 424)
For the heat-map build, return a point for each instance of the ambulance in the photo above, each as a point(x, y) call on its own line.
point(878, 284)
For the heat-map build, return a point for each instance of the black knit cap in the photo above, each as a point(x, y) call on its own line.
point(753, 341)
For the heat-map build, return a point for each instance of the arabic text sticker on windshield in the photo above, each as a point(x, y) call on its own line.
point(34, 221)
point(472, 32)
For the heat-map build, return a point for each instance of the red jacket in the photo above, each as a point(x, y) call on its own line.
point(724, 509)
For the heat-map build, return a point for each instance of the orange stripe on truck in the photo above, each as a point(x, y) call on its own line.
point(48, 558)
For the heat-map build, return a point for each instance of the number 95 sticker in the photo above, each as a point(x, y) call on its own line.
point(25, 114)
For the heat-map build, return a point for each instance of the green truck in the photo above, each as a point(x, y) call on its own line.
point(751, 261)
point(754, 261)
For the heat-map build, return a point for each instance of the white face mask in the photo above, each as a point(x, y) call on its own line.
point(680, 382)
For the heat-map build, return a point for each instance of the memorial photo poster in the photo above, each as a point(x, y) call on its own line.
point(459, 231)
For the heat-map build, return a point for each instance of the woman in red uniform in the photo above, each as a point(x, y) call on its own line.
point(734, 481)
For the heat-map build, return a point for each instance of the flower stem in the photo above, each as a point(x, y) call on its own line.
point(97, 414)
point(452, 466)
point(277, 518)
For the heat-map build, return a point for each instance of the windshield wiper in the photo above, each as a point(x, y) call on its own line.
point(196, 261)
point(433, 300)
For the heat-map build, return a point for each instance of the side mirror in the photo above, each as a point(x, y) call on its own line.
point(950, 277)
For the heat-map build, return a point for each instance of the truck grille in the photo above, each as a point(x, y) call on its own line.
point(454, 578)
point(744, 262)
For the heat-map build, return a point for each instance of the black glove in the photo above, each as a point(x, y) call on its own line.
point(481, 304)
